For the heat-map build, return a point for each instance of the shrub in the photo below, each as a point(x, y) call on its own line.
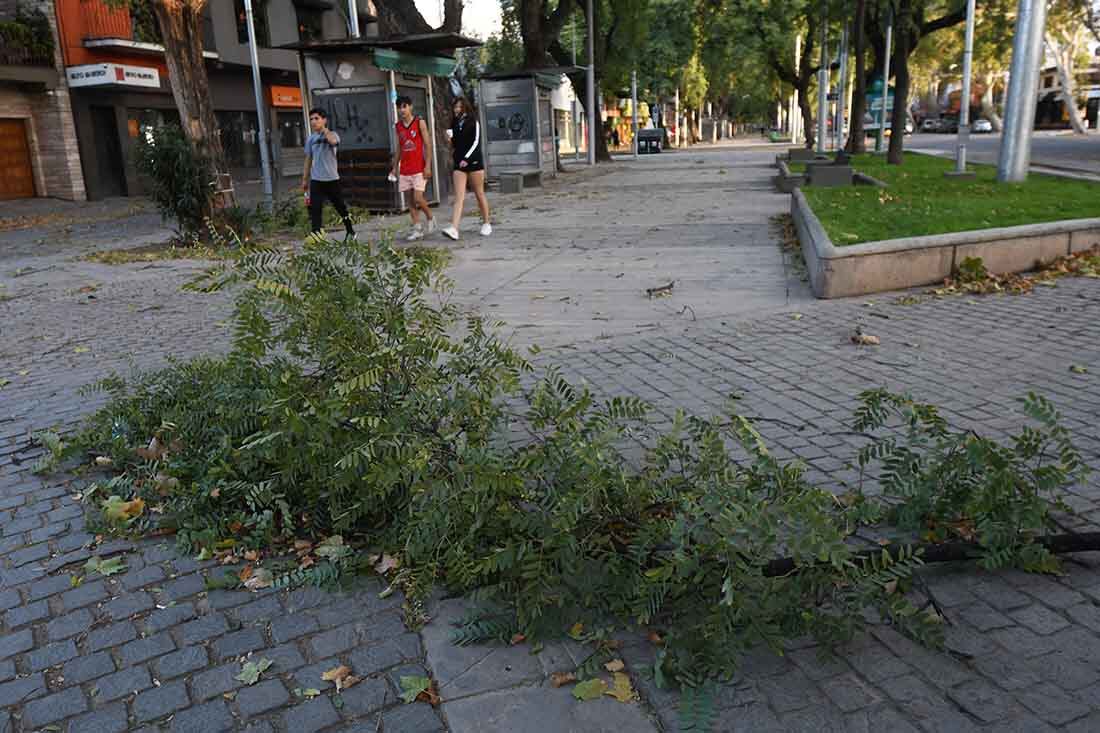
point(180, 180)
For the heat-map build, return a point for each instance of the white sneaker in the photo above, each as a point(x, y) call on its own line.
point(415, 234)
point(451, 232)
point(431, 225)
point(486, 229)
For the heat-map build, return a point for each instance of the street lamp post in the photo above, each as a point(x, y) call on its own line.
point(841, 89)
point(823, 85)
point(964, 103)
point(1023, 84)
point(634, 109)
point(265, 163)
point(885, 80)
point(591, 84)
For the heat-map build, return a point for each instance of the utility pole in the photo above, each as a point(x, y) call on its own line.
point(885, 80)
point(591, 84)
point(265, 163)
point(964, 105)
point(353, 18)
point(823, 85)
point(634, 109)
point(793, 111)
point(576, 99)
point(841, 85)
point(1023, 84)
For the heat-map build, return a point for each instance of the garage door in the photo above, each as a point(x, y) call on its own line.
point(16, 175)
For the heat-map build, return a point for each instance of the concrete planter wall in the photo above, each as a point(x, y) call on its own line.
point(892, 264)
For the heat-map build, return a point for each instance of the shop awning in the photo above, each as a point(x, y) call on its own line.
point(411, 63)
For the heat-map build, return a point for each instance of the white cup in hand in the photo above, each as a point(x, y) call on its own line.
point(450, 134)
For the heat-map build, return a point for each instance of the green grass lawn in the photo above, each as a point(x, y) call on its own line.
point(919, 200)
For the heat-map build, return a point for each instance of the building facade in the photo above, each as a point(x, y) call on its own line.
point(118, 81)
point(39, 155)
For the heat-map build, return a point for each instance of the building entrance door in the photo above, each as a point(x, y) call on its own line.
point(16, 173)
point(110, 169)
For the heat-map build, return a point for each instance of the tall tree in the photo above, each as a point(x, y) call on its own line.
point(1065, 41)
point(857, 140)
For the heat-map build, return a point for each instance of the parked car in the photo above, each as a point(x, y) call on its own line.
point(949, 125)
point(982, 126)
point(931, 124)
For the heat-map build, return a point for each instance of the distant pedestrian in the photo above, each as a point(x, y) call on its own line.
point(469, 162)
point(412, 165)
point(320, 178)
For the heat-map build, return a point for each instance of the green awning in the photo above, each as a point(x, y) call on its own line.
point(411, 63)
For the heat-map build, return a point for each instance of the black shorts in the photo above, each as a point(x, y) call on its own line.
point(472, 165)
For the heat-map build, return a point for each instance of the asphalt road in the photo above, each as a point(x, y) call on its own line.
point(1055, 150)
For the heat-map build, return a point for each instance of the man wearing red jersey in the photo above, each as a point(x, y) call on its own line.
point(411, 165)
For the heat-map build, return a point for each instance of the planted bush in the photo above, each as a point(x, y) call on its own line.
point(358, 408)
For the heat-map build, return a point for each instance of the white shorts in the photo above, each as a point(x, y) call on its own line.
point(408, 183)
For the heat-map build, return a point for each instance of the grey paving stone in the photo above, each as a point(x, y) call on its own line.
point(210, 717)
point(311, 716)
point(749, 718)
point(142, 649)
point(206, 627)
point(185, 660)
point(818, 719)
point(375, 658)
point(263, 609)
point(874, 720)
point(9, 598)
point(1053, 704)
point(331, 643)
point(23, 615)
point(291, 626)
point(165, 618)
point(367, 697)
point(112, 635)
point(28, 554)
point(1024, 641)
point(84, 595)
point(310, 676)
point(1040, 619)
point(816, 667)
point(223, 599)
point(261, 697)
point(15, 643)
point(111, 719)
point(7, 670)
point(982, 700)
point(128, 605)
point(73, 541)
point(284, 658)
point(1086, 614)
point(47, 587)
point(983, 617)
point(791, 692)
point(849, 693)
point(146, 576)
point(121, 683)
point(1067, 669)
point(88, 667)
point(183, 587)
point(215, 681)
point(46, 710)
point(874, 661)
point(68, 625)
point(1000, 595)
point(238, 644)
point(51, 655)
point(157, 702)
point(20, 690)
point(1007, 670)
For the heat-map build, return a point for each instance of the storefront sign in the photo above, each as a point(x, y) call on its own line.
point(94, 75)
point(285, 96)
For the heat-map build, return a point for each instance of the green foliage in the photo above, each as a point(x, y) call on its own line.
point(958, 485)
point(29, 31)
point(180, 180)
point(54, 451)
point(357, 401)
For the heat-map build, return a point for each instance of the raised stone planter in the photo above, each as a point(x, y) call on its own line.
point(893, 264)
point(827, 174)
point(786, 182)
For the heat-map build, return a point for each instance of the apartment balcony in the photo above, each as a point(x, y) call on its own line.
point(131, 29)
point(26, 51)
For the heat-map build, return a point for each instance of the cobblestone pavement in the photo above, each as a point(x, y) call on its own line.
point(152, 648)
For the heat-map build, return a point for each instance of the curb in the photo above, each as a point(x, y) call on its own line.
point(895, 264)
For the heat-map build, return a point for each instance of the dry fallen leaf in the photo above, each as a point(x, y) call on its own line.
point(518, 638)
point(558, 679)
point(621, 688)
point(615, 665)
point(260, 578)
point(592, 689)
point(384, 563)
point(342, 676)
point(654, 638)
point(864, 339)
point(246, 573)
point(252, 556)
point(103, 461)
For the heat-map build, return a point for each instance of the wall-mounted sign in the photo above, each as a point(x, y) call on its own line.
point(94, 75)
point(282, 96)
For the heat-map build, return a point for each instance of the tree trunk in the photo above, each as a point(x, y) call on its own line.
point(1068, 93)
point(857, 141)
point(904, 36)
point(180, 24)
point(989, 111)
point(803, 91)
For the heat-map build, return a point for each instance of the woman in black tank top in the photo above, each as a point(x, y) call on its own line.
point(469, 166)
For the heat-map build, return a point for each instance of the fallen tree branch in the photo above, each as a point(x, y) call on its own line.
point(1058, 544)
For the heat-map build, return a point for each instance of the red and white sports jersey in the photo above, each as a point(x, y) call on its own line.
point(412, 147)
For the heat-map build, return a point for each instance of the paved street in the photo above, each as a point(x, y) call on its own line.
point(1050, 149)
point(153, 649)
